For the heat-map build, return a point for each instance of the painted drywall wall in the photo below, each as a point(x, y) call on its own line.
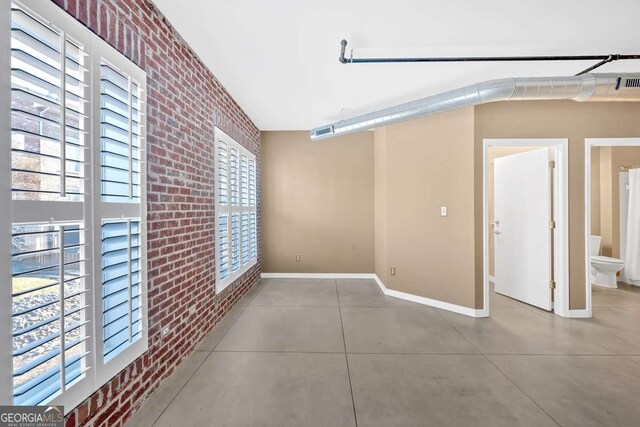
point(422, 165)
point(595, 191)
point(317, 200)
point(554, 119)
point(380, 203)
point(606, 201)
point(394, 181)
point(609, 161)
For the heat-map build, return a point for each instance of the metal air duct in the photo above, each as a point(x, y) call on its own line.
point(586, 87)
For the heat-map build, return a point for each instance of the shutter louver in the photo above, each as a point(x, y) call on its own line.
point(253, 234)
point(223, 246)
point(48, 309)
point(244, 180)
point(47, 112)
point(223, 174)
point(235, 242)
point(252, 183)
point(121, 262)
point(233, 177)
point(120, 137)
point(246, 256)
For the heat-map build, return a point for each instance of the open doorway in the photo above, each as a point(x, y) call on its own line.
point(526, 222)
point(612, 232)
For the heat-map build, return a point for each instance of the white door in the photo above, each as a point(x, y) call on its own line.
point(522, 212)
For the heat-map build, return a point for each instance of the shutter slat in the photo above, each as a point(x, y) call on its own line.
point(120, 134)
point(39, 75)
point(121, 254)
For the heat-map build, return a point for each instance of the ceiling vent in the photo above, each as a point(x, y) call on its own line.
point(632, 83)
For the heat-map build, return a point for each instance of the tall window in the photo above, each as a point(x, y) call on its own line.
point(74, 207)
point(235, 210)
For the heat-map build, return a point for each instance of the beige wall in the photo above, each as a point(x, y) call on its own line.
point(554, 119)
point(425, 164)
point(606, 173)
point(380, 180)
point(606, 201)
point(369, 201)
point(595, 191)
point(317, 201)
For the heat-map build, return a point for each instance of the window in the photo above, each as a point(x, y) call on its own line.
point(75, 210)
point(235, 210)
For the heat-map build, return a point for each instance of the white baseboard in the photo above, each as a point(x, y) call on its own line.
point(317, 276)
point(430, 302)
point(389, 292)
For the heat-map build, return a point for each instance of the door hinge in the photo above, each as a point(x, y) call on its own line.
point(552, 164)
point(552, 284)
point(552, 224)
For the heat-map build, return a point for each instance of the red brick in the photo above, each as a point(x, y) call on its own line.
point(70, 421)
point(185, 101)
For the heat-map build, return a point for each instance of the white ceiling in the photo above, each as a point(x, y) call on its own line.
point(279, 58)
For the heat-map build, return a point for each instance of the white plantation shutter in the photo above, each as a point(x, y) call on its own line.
point(252, 182)
point(246, 256)
point(49, 283)
point(253, 242)
point(234, 177)
point(235, 209)
point(223, 246)
point(253, 233)
point(47, 78)
point(223, 228)
point(119, 136)
point(244, 180)
point(121, 283)
point(119, 214)
point(235, 242)
point(49, 308)
point(75, 210)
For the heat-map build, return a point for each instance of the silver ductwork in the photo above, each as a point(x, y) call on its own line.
point(587, 87)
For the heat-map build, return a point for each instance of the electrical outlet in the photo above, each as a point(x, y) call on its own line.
point(297, 257)
point(164, 331)
point(393, 271)
point(443, 211)
point(192, 311)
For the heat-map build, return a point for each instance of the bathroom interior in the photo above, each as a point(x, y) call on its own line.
point(615, 220)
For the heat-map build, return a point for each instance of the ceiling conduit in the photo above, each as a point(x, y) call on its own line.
point(585, 87)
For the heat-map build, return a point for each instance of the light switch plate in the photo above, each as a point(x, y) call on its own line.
point(443, 211)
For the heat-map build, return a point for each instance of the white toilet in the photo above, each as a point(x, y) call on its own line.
point(603, 268)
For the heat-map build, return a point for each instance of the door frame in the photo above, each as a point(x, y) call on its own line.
point(588, 144)
point(561, 214)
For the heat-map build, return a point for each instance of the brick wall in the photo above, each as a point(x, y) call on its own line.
point(185, 102)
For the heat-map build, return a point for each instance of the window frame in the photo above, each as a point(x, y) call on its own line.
point(221, 136)
point(91, 209)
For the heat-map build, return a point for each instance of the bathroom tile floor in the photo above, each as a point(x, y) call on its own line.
point(340, 353)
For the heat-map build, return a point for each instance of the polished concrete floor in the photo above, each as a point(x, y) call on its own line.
point(340, 353)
